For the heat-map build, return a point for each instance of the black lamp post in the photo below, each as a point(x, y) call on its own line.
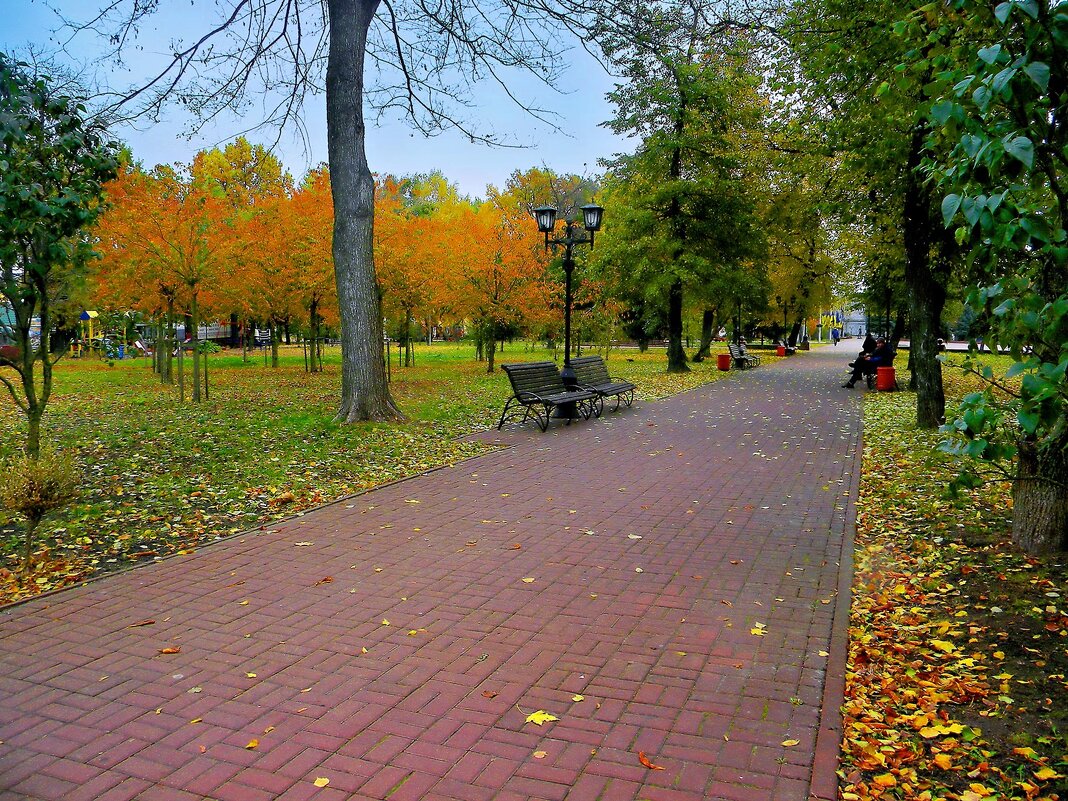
point(591, 221)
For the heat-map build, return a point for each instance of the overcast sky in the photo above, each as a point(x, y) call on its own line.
point(392, 146)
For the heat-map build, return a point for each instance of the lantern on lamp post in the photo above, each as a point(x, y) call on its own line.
point(572, 235)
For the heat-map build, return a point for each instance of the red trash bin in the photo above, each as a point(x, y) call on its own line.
point(885, 379)
point(723, 361)
point(780, 351)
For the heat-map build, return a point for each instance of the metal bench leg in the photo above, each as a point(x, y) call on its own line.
point(504, 414)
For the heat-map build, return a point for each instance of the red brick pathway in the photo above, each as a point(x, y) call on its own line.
point(682, 566)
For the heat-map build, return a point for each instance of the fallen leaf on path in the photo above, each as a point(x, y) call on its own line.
point(253, 744)
point(489, 694)
point(645, 761)
point(528, 580)
point(540, 717)
point(141, 623)
point(321, 781)
point(790, 743)
point(303, 544)
point(174, 650)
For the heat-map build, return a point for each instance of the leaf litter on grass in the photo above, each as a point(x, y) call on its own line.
point(957, 662)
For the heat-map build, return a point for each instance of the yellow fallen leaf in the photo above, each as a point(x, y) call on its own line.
point(268, 730)
point(578, 697)
point(541, 754)
point(250, 675)
point(757, 632)
point(825, 653)
point(196, 720)
point(253, 743)
point(412, 632)
point(943, 646)
point(638, 570)
point(321, 781)
point(1045, 774)
point(790, 743)
point(944, 761)
point(385, 621)
point(303, 544)
point(540, 717)
point(999, 654)
point(242, 603)
point(528, 580)
point(885, 780)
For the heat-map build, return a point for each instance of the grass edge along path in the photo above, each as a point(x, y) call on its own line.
point(955, 685)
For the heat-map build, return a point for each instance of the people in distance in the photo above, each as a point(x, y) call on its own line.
point(881, 355)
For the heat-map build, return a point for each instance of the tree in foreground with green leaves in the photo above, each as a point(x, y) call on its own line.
point(52, 168)
point(1004, 114)
point(53, 165)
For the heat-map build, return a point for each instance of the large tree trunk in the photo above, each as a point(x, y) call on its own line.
point(704, 347)
point(927, 291)
point(1040, 500)
point(675, 353)
point(364, 389)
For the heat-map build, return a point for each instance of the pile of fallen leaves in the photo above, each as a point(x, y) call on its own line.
point(158, 477)
point(958, 641)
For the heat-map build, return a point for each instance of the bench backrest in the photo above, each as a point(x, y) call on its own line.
point(590, 370)
point(735, 350)
point(540, 378)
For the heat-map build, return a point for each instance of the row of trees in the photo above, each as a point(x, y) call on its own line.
point(952, 119)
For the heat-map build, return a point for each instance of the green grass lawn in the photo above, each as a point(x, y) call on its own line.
point(159, 476)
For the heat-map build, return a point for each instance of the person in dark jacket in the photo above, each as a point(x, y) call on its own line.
point(881, 356)
point(869, 344)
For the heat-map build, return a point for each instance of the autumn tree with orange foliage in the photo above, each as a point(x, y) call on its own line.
point(499, 264)
point(412, 239)
point(309, 221)
point(163, 236)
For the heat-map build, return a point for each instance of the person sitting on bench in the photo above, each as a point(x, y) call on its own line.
point(868, 363)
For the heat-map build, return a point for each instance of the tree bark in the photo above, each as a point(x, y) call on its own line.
point(194, 340)
point(704, 347)
point(364, 390)
point(675, 353)
point(1040, 499)
point(926, 281)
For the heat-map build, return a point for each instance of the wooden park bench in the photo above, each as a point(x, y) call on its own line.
point(538, 390)
point(741, 357)
point(592, 374)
